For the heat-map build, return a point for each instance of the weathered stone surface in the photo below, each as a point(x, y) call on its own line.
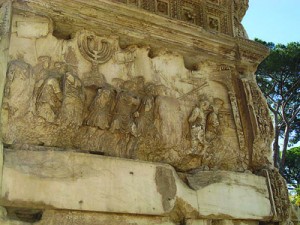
point(166, 186)
point(295, 214)
point(73, 217)
point(4, 220)
point(82, 182)
point(55, 217)
point(86, 182)
point(5, 17)
point(32, 29)
point(198, 222)
point(1, 163)
point(231, 194)
point(235, 222)
point(279, 195)
point(134, 27)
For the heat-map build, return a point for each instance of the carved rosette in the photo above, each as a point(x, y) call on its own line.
point(212, 15)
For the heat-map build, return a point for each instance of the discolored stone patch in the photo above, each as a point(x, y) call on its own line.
point(166, 186)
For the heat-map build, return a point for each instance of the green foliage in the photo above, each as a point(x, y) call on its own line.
point(295, 197)
point(292, 173)
point(292, 167)
point(279, 79)
point(295, 200)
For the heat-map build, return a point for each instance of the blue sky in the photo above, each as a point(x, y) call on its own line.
point(275, 21)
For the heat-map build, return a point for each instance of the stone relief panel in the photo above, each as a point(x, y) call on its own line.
point(279, 195)
point(261, 123)
point(88, 94)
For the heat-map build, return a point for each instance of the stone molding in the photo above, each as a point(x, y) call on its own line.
point(135, 26)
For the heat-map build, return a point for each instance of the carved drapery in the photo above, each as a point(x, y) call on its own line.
point(126, 114)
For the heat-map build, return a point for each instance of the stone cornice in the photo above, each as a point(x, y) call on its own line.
point(136, 26)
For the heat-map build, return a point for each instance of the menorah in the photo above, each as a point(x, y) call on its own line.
point(94, 49)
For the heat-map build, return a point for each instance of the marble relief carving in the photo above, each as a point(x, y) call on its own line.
point(213, 23)
point(95, 50)
point(81, 97)
point(112, 108)
point(279, 196)
point(261, 123)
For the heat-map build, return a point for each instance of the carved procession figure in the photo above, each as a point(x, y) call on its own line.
point(213, 123)
point(49, 99)
point(139, 84)
point(18, 88)
point(49, 94)
point(197, 122)
point(73, 100)
point(146, 118)
point(126, 110)
point(41, 73)
point(101, 108)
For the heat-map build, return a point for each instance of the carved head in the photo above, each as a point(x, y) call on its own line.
point(150, 88)
point(161, 90)
point(106, 94)
point(204, 105)
point(129, 85)
point(139, 82)
point(218, 104)
point(72, 80)
point(117, 83)
point(60, 67)
point(44, 61)
point(149, 104)
point(19, 70)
